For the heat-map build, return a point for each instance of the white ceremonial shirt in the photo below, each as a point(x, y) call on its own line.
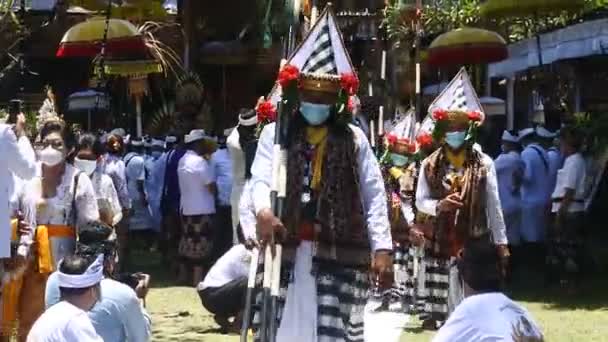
point(496, 222)
point(247, 217)
point(233, 265)
point(489, 317)
point(238, 175)
point(572, 176)
point(222, 165)
point(507, 166)
point(117, 170)
point(370, 180)
point(63, 322)
point(16, 158)
point(107, 197)
point(554, 157)
point(536, 181)
point(195, 174)
point(136, 172)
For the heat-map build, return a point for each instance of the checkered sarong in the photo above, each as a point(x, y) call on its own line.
point(341, 297)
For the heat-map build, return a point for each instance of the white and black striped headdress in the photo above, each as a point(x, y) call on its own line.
point(322, 54)
point(322, 59)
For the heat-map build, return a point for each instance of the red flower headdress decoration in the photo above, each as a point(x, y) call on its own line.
point(288, 75)
point(440, 115)
point(424, 140)
point(475, 116)
point(349, 83)
point(391, 139)
point(266, 112)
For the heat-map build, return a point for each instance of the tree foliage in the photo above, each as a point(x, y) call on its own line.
point(439, 16)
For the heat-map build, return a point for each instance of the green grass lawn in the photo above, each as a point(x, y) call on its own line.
point(178, 315)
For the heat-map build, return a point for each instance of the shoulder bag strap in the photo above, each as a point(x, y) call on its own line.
point(540, 154)
point(74, 206)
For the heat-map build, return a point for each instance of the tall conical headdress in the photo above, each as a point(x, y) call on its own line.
point(322, 52)
point(457, 102)
point(459, 95)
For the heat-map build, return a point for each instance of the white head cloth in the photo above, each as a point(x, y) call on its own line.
point(525, 132)
point(507, 136)
point(158, 143)
point(544, 133)
point(92, 276)
point(195, 135)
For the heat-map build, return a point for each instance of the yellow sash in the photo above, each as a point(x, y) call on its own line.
point(44, 233)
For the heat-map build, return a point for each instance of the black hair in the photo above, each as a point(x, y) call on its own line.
point(56, 126)
point(74, 265)
point(479, 266)
point(111, 140)
point(92, 142)
point(573, 137)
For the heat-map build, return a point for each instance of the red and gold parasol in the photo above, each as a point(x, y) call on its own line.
point(85, 39)
point(467, 46)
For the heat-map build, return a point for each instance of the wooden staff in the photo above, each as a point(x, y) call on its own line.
point(253, 267)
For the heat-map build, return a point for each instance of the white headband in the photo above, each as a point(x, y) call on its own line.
point(92, 276)
point(253, 120)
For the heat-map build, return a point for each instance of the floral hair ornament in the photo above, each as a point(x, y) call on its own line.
point(349, 86)
point(424, 140)
point(266, 113)
point(289, 80)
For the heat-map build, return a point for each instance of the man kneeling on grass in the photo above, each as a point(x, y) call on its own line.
point(223, 290)
point(486, 314)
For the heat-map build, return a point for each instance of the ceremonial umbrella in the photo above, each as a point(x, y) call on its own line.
point(136, 72)
point(524, 8)
point(139, 10)
point(467, 46)
point(88, 101)
point(86, 39)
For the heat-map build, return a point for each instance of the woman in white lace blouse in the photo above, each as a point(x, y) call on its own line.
point(89, 159)
point(64, 199)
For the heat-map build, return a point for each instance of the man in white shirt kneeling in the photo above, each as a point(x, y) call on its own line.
point(486, 314)
point(223, 290)
point(67, 321)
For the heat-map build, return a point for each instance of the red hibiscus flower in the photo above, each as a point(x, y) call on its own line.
point(350, 83)
point(474, 116)
point(287, 75)
point(424, 140)
point(267, 112)
point(392, 139)
point(440, 114)
point(350, 105)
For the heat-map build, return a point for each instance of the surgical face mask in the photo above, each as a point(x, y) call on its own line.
point(156, 154)
point(50, 156)
point(86, 166)
point(455, 139)
point(398, 160)
point(315, 114)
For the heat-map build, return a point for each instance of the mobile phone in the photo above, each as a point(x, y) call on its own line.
point(15, 107)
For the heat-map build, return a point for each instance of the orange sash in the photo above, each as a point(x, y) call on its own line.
point(44, 233)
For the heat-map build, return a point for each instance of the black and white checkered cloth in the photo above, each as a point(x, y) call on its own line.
point(321, 60)
point(341, 296)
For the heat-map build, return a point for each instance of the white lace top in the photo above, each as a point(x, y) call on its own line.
point(107, 198)
point(58, 210)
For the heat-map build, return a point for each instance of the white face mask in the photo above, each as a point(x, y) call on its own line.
point(86, 166)
point(50, 156)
